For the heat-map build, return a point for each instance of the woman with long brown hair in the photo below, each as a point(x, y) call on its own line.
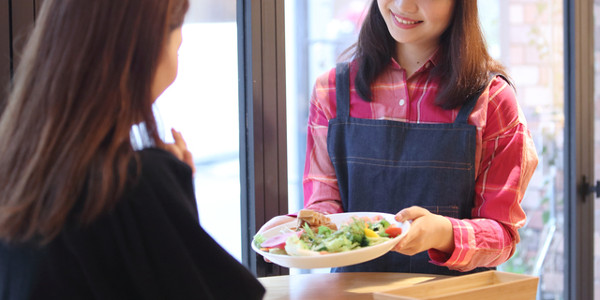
point(424, 124)
point(86, 211)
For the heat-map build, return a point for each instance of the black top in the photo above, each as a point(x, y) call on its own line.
point(150, 246)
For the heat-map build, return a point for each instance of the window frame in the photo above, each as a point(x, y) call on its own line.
point(5, 43)
point(263, 146)
point(579, 150)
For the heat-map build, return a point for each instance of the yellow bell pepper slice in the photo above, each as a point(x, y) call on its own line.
point(370, 233)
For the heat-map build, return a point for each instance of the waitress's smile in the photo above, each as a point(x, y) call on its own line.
point(404, 23)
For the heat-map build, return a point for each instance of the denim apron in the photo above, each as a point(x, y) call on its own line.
point(385, 166)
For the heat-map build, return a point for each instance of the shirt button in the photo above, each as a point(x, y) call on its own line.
point(401, 102)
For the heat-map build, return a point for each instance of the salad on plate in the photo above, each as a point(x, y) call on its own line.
point(315, 234)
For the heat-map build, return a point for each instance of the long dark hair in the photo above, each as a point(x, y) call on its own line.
point(465, 64)
point(84, 80)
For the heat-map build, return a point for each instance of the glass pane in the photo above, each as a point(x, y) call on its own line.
point(317, 32)
point(526, 36)
point(202, 103)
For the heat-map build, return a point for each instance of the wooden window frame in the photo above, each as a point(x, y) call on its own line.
point(579, 150)
point(16, 20)
point(263, 145)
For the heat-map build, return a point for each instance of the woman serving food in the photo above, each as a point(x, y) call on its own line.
point(424, 124)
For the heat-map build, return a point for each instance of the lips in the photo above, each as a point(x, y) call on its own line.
point(405, 22)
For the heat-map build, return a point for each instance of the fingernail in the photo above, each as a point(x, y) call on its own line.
point(399, 217)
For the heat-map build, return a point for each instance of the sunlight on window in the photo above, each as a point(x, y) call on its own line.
point(202, 103)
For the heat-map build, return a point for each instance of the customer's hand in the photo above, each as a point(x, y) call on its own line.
point(180, 150)
point(427, 231)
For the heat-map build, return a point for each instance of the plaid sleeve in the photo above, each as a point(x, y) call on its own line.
point(321, 191)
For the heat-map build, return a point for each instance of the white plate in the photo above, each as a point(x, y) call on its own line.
point(333, 260)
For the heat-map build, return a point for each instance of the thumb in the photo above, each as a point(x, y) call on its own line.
point(410, 213)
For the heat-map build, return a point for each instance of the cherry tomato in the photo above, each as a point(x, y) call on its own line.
point(393, 231)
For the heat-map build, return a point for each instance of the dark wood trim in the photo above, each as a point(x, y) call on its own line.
point(579, 156)
point(263, 149)
point(37, 7)
point(23, 17)
point(268, 102)
point(247, 182)
point(5, 49)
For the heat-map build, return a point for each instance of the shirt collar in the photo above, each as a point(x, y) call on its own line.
point(432, 61)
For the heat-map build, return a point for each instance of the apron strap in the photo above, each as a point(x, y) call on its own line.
point(342, 90)
point(467, 108)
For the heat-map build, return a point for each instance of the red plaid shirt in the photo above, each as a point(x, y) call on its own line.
point(504, 162)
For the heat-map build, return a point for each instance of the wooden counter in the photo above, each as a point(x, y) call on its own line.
point(334, 286)
point(492, 285)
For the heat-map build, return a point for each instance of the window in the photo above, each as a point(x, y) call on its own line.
point(202, 103)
